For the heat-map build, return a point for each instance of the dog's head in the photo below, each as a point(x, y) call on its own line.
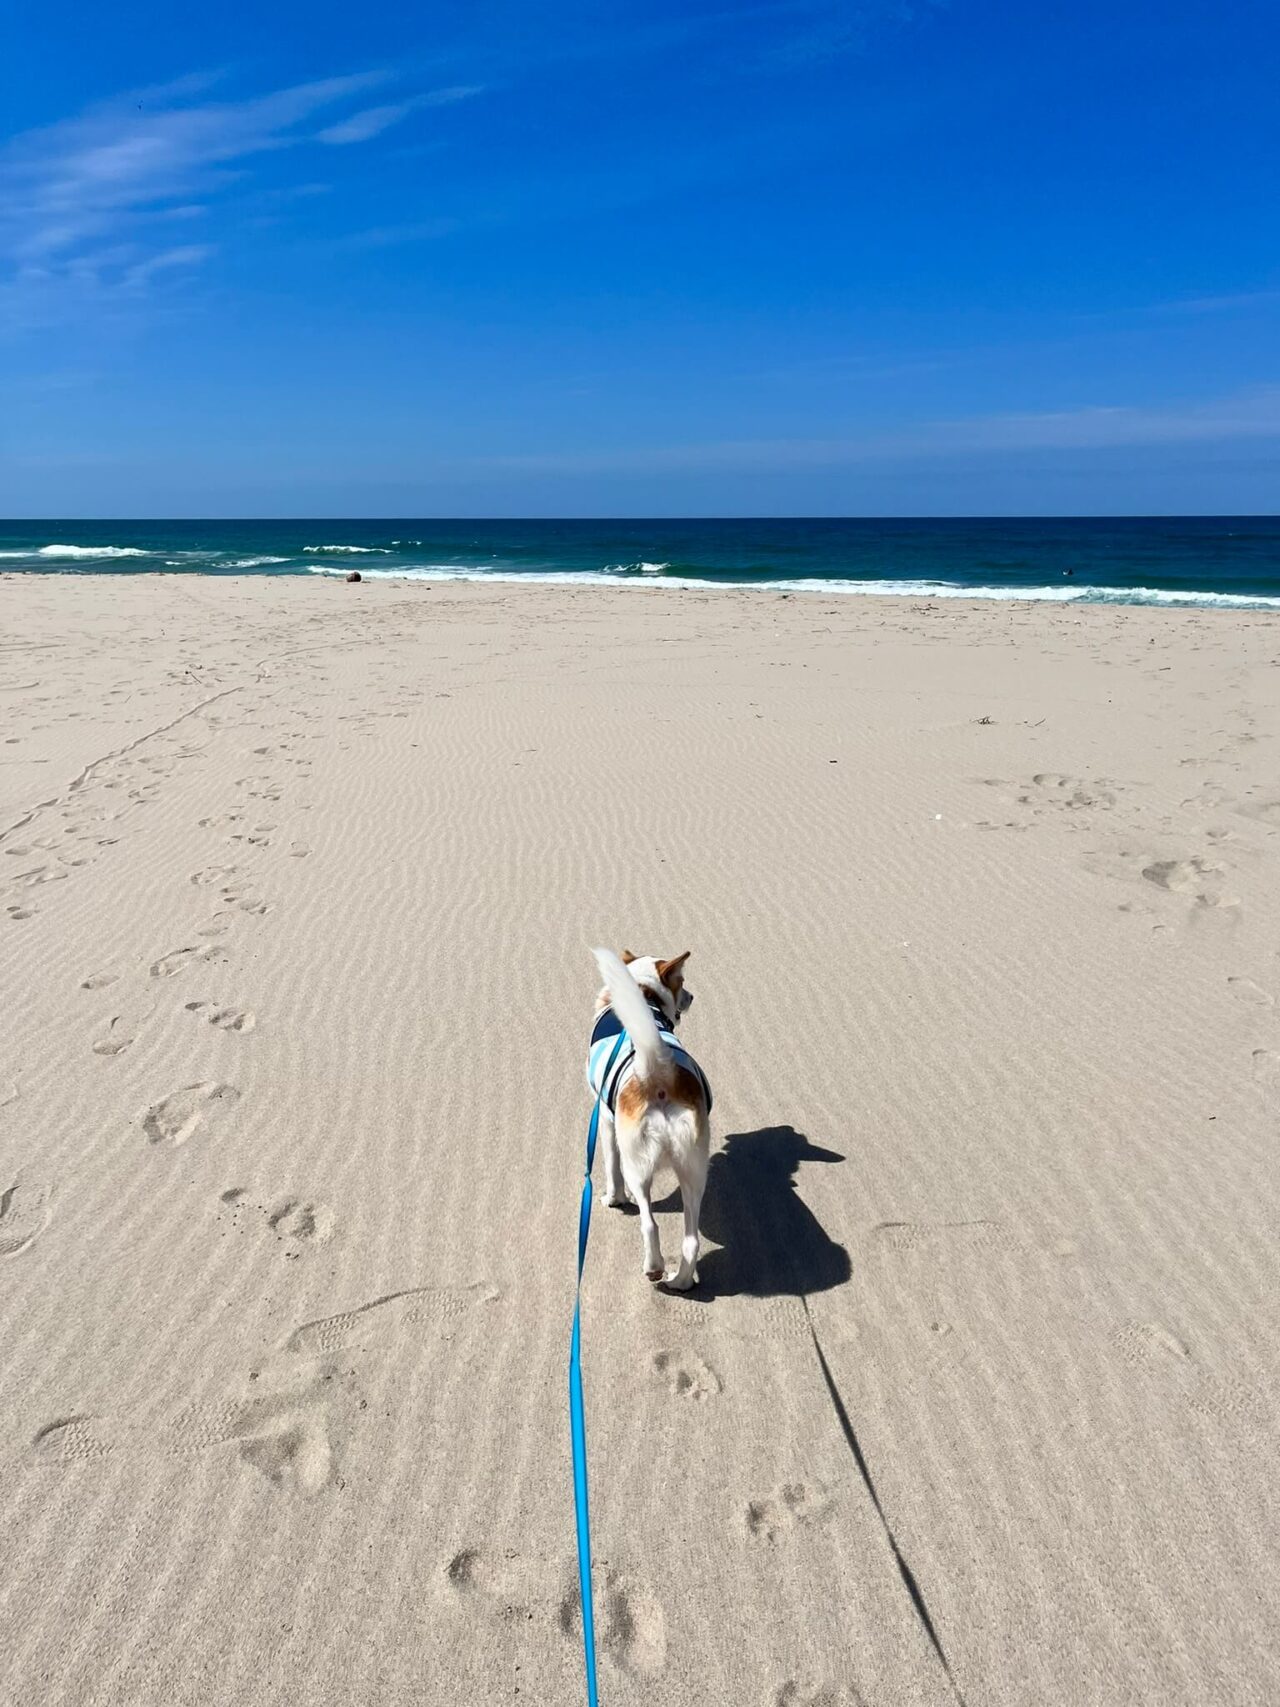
point(663, 979)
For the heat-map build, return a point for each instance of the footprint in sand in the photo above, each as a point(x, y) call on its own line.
point(1230, 1402)
point(237, 1020)
point(246, 903)
point(213, 874)
point(1150, 1345)
point(1245, 990)
point(71, 1440)
point(427, 1307)
point(24, 1215)
point(687, 1375)
point(799, 1692)
point(17, 914)
point(1137, 1341)
point(301, 1221)
point(1197, 880)
point(788, 1507)
point(507, 1585)
point(631, 1628)
point(1201, 879)
point(297, 1221)
point(169, 965)
point(99, 980)
point(522, 1589)
point(38, 875)
point(292, 1450)
point(930, 1235)
point(117, 1038)
point(289, 1436)
point(1072, 792)
point(178, 1117)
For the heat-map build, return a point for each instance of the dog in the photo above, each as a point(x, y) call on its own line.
point(655, 1100)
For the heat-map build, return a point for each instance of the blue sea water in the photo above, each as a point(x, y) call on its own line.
point(1189, 561)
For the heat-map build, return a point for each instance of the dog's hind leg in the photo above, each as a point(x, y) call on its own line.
point(614, 1190)
point(640, 1186)
point(691, 1171)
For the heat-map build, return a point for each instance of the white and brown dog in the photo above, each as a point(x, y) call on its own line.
point(655, 1101)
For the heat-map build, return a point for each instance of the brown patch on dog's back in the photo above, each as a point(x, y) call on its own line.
point(633, 1099)
point(678, 1087)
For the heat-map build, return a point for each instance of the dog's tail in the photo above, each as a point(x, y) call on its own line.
point(627, 1001)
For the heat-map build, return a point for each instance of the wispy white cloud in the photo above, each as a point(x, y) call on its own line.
point(451, 95)
point(362, 126)
point(167, 261)
point(84, 202)
point(79, 178)
point(372, 121)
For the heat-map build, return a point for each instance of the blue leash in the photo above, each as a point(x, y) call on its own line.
point(577, 1423)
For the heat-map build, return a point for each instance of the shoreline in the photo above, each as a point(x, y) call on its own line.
point(1135, 598)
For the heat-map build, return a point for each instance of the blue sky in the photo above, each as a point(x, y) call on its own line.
point(783, 257)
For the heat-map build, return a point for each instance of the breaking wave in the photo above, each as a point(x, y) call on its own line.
point(350, 550)
point(78, 551)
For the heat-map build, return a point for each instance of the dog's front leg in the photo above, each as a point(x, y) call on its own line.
point(614, 1190)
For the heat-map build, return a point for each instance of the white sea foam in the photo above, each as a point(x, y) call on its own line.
point(74, 552)
point(1066, 595)
point(350, 550)
point(636, 568)
point(1075, 594)
point(251, 562)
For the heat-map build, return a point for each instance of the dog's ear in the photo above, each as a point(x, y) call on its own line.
point(627, 957)
point(669, 970)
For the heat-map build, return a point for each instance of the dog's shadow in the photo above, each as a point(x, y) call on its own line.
point(772, 1243)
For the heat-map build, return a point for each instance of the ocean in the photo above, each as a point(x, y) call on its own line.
point(1189, 561)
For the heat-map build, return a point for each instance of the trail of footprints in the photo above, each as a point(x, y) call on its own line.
point(176, 1118)
point(64, 835)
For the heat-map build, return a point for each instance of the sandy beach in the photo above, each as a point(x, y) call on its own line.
point(299, 885)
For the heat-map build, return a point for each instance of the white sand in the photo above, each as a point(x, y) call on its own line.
point(299, 881)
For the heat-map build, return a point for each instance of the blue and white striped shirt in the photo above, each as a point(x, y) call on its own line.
point(606, 1080)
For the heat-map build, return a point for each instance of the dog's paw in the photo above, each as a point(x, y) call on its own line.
point(680, 1279)
point(615, 1200)
point(654, 1274)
